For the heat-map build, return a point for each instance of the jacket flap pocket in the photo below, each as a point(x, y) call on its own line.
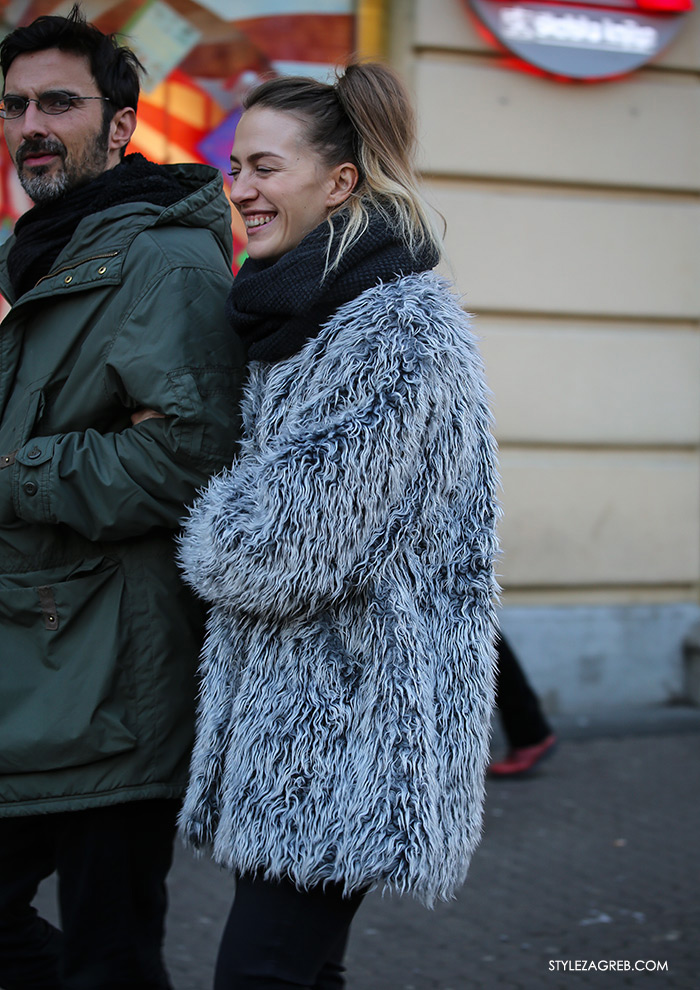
point(62, 702)
point(36, 452)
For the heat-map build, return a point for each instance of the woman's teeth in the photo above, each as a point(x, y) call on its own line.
point(257, 221)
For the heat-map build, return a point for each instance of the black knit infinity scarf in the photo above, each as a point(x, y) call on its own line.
point(275, 307)
point(42, 232)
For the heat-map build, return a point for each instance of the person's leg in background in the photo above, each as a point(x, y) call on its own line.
point(278, 937)
point(529, 734)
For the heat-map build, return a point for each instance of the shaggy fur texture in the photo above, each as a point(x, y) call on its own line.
point(347, 677)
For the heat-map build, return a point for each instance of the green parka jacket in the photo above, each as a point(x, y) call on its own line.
point(98, 637)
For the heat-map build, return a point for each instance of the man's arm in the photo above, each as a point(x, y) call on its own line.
point(174, 354)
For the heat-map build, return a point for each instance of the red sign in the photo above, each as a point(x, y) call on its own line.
point(598, 39)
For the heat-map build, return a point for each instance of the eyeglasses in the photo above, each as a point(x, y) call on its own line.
point(51, 103)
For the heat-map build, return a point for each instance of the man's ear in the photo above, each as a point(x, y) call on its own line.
point(121, 127)
point(344, 178)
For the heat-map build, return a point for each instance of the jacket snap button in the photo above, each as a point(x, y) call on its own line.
point(34, 453)
point(68, 279)
point(30, 488)
point(102, 270)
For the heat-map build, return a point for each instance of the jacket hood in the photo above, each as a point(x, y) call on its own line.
point(203, 205)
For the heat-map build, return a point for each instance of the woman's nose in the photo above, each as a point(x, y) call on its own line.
point(242, 189)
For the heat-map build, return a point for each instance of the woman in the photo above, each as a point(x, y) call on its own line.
point(347, 553)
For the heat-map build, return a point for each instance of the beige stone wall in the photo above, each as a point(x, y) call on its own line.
point(573, 217)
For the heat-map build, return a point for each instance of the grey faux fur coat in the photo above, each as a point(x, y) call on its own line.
point(347, 674)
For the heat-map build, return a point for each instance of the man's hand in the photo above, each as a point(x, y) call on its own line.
point(142, 414)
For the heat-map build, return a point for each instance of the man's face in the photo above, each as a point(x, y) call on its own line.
point(56, 153)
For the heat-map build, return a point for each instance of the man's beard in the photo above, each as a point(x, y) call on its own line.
point(43, 186)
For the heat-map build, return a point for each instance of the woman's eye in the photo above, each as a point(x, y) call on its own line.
point(234, 173)
point(263, 170)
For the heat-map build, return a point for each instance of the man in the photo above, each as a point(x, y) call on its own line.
point(117, 279)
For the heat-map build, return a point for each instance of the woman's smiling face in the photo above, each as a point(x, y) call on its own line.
point(280, 185)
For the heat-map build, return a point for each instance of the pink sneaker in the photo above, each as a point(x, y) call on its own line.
point(522, 760)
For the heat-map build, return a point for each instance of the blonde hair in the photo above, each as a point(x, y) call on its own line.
point(365, 118)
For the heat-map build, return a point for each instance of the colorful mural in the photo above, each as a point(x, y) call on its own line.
point(201, 57)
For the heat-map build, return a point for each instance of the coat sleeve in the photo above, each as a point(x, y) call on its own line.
point(296, 524)
point(173, 353)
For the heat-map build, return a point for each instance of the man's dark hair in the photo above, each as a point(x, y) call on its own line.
point(114, 67)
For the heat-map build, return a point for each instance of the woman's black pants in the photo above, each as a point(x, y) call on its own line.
point(278, 937)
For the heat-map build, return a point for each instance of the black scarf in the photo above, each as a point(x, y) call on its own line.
point(43, 232)
point(275, 307)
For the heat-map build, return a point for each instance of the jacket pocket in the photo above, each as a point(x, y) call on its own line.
point(62, 696)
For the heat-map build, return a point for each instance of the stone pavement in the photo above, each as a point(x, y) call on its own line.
point(594, 859)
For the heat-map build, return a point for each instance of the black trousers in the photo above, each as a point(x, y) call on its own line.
point(518, 706)
point(111, 864)
point(278, 937)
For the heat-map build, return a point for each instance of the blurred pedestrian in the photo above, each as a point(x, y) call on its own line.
point(529, 734)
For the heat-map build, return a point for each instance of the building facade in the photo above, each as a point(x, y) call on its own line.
point(574, 234)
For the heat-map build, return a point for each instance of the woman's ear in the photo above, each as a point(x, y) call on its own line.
point(343, 180)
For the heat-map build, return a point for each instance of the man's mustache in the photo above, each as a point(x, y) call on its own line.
point(31, 148)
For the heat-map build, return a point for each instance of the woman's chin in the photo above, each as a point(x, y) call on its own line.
point(260, 251)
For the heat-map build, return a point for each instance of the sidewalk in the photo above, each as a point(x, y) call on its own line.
point(597, 857)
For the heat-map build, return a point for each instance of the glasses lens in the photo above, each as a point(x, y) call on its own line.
point(13, 106)
point(55, 102)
